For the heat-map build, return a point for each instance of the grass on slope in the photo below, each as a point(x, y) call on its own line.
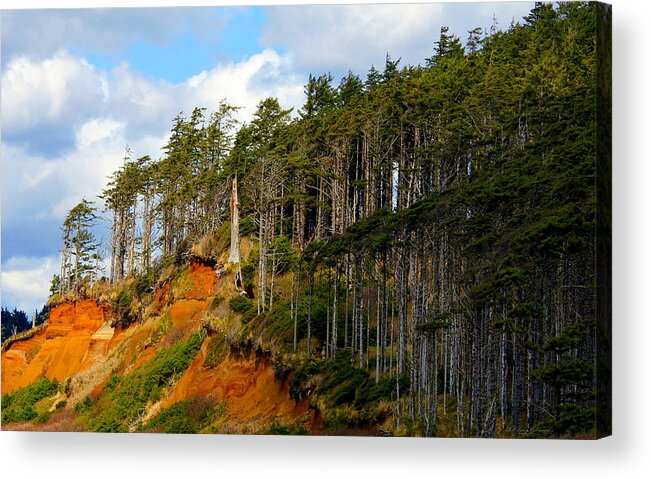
point(186, 417)
point(125, 399)
point(20, 406)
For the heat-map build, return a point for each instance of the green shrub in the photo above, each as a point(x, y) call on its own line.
point(67, 387)
point(126, 399)
point(19, 405)
point(217, 350)
point(122, 308)
point(42, 417)
point(279, 324)
point(186, 417)
point(61, 404)
point(247, 226)
point(112, 383)
point(248, 272)
point(340, 386)
point(281, 248)
point(244, 306)
point(240, 304)
point(144, 284)
point(285, 429)
point(84, 405)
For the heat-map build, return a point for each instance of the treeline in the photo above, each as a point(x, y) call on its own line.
point(438, 220)
point(16, 321)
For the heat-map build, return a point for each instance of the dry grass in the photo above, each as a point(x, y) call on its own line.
point(60, 421)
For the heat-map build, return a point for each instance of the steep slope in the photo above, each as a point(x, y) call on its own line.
point(84, 347)
point(77, 336)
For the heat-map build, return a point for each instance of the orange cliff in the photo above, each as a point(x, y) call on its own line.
point(79, 339)
point(76, 337)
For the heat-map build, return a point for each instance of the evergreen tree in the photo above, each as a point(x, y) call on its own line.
point(13, 322)
point(80, 244)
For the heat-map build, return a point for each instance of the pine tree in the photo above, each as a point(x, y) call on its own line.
point(80, 243)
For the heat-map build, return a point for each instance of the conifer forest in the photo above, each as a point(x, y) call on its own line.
point(424, 251)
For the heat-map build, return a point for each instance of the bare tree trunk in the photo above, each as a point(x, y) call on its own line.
point(378, 306)
point(333, 346)
point(147, 226)
point(296, 293)
point(234, 256)
point(309, 316)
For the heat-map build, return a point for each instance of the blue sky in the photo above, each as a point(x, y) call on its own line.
point(78, 85)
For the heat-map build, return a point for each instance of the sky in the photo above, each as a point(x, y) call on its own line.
point(78, 85)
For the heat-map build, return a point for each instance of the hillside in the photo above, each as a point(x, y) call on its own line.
point(413, 254)
point(84, 349)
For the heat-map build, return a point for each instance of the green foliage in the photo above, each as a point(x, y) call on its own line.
point(218, 349)
point(42, 417)
point(15, 321)
point(144, 284)
point(572, 336)
point(122, 307)
point(67, 386)
point(119, 408)
point(244, 306)
point(340, 385)
point(278, 322)
point(564, 372)
point(571, 379)
point(84, 406)
point(19, 405)
point(282, 254)
point(287, 429)
point(247, 226)
point(79, 244)
point(113, 382)
point(186, 417)
point(248, 272)
point(41, 316)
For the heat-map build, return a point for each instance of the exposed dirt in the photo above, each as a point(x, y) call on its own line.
point(246, 383)
point(80, 343)
point(68, 345)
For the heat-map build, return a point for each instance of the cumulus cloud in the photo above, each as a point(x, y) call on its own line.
point(43, 100)
point(244, 84)
point(46, 102)
point(338, 37)
point(25, 281)
point(341, 37)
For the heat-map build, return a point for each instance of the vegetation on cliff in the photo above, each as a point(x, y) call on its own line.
point(418, 248)
point(124, 399)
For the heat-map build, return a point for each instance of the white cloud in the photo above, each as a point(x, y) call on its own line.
point(48, 104)
point(49, 93)
point(96, 130)
point(336, 38)
point(328, 37)
point(244, 84)
point(25, 282)
point(104, 111)
point(84, 172)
